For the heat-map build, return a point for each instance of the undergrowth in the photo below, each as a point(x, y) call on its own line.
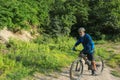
point(42, 55)
point(25, 58)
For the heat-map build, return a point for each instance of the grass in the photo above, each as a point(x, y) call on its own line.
point(25, 58)
point(100, 42)
point(42, 55)
point(115, 73)
point(112, 59)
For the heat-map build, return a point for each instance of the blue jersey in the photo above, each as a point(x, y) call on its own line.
point(87, 43)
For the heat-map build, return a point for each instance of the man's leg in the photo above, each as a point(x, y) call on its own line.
point(91, 58)
point(84, 56)
point(94, 65)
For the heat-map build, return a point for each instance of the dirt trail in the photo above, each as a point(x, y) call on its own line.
point(64, 75)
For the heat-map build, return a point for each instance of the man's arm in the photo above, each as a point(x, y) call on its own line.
point(77, 43)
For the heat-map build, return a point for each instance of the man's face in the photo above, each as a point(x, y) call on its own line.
point(81, 33)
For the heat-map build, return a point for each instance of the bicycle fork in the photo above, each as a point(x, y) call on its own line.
point(78, 66)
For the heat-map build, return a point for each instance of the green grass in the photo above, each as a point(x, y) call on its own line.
point(115, 73)
point(106, 51)
point(100, 42)
point(25, 58)
point(114, 61)
point(42, 55)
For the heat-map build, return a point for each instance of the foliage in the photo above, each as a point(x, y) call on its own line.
point(105, 17)
point(111, 59)
point(25, 58)
point(114, 61)
point(56, 19)
point(42, 55)
point(62, 17)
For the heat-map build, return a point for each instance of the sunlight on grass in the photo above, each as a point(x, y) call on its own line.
point(24, 58)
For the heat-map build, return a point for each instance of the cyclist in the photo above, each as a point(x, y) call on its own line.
point(88, 48)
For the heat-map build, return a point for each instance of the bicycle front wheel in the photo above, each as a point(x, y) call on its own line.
point(76, 70)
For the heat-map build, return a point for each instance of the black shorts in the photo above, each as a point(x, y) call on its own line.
point(90, 56)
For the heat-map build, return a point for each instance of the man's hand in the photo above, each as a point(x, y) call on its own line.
point(73, 49)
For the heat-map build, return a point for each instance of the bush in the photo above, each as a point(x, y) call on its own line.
point(100, 18)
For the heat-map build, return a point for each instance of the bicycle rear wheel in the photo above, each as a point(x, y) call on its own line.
point(76, 70)
point(99, 65)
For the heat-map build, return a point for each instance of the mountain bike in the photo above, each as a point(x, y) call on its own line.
point(77, 67)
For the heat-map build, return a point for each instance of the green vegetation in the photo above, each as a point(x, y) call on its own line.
point(25, 58)
point(114, 61)
point(43, 55)
point(63, 17)
point(57, 22)
point(111, 59)
point(115, 73)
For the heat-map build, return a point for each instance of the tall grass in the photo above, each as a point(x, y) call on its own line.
point(25, 58)
point(40, 55)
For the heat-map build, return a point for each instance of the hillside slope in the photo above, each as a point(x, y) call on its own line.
point(5, 35)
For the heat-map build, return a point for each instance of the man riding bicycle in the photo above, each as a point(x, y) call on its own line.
point(88, 48)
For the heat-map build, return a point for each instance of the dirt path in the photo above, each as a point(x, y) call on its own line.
point(64, 75)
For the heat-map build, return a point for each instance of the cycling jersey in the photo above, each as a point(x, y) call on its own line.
point(87, 43)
